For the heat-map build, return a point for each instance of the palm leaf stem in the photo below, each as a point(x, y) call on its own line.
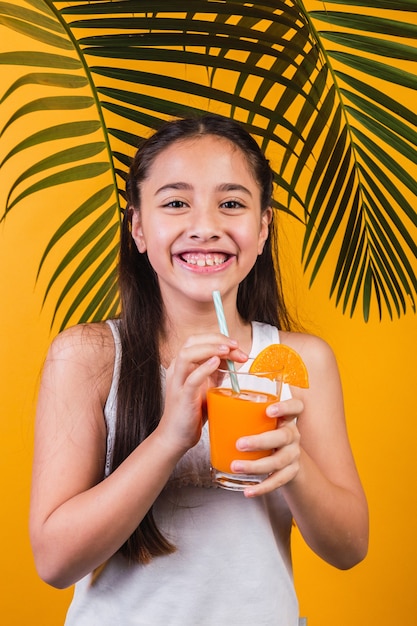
point(392, 5)
point(315, 33)
point(82, 59)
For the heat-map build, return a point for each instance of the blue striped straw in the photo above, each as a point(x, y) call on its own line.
point(218, 305)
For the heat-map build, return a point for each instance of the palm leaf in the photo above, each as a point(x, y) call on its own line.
point(312, 86)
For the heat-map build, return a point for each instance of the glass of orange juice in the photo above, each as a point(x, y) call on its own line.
point(236, 408)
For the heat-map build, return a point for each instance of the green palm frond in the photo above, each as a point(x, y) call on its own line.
point(324, 91)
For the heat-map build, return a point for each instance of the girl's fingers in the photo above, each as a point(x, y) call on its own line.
point(200, 374)
point(280, 466)
point(279, 470)
point(196, 347)
point(195, 352)
point(286, 410)
point(209, 338)
point(286, 434)
point(275, 462)
point(273, 481)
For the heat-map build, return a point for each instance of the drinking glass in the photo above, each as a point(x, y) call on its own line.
point(237, 408)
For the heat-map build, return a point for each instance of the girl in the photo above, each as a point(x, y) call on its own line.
point(122, 501)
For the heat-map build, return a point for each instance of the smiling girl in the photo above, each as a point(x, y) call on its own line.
point(122, 500)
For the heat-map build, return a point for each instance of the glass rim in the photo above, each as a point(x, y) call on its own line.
point(263, 374)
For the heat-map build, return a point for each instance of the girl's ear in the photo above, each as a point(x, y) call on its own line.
point(266, 219)
point(137, 231)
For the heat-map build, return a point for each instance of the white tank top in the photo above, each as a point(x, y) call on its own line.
point(232, 566)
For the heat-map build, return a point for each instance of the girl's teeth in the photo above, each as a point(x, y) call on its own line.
point(203, 260)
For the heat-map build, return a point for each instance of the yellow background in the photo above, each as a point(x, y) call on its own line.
point(377, 363)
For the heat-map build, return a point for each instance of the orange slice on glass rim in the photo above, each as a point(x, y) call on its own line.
point(278, 357)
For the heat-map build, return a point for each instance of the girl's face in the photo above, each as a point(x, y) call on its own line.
point(200, 219)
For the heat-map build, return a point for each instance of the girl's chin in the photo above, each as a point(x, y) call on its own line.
point(196, 294)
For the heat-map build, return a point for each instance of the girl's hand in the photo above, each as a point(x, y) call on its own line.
point(283, 464)
point(187, 380)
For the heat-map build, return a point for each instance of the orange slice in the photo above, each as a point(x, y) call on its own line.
point(279, 357)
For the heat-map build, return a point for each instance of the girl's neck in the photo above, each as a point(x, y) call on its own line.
point(180, 324)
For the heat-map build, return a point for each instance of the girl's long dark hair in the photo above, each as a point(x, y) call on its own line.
point(140, 402)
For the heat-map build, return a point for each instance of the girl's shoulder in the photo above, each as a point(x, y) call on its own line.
point(84, 341)
point(315, 351)
point(84, 348)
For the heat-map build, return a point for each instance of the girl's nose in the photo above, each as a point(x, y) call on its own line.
point(204, 226)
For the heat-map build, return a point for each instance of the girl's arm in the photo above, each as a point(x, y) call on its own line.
point(78, 520)
point(313, 463)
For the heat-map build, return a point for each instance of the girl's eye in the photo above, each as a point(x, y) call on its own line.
point(175, 204)
point(232, 204)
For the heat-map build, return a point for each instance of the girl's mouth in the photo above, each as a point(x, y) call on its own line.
point(204, 260)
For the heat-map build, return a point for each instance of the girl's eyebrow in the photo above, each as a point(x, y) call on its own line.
point(233, 187)
point(169, 186)
point(188, 187)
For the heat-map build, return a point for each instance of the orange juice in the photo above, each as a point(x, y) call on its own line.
point(233, 415)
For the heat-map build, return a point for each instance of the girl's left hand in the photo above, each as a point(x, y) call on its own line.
point(282, 464)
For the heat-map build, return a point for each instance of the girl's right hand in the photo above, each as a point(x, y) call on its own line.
point(187, 380)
